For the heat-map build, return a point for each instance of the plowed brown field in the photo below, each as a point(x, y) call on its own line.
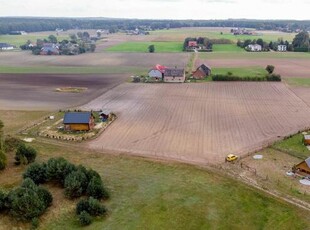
point(198, 123)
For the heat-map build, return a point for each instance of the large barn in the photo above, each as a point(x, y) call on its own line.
point(174, 75)
point(201, 72)
point(79, 121)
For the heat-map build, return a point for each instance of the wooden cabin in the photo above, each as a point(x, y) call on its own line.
point(307, 139)
point(202, 72)
point(79, 121)
point(303, 167)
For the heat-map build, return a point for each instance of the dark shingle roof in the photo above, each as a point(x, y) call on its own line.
point(77, 117)
point(204, 68)
point(174, 72)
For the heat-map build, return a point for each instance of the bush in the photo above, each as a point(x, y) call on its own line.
point(36, 172)
point(92, 206)
point(3, 159)
point(3, 201)
point(75, 184)
point(25, 202)
point(58, 168)
point(45, 196)
point(35, 223)
point(11, 143)
point(25, 155)
point(270, 69)
point(85, 218)
point(96, 189)
point(273, 77)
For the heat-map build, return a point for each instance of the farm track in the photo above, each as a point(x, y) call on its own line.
point(198, 123)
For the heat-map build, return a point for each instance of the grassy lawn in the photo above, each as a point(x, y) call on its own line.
point(71, 69)
point(18, 40)
point(164, 196)
point(241, 72)
point(255, 55)
point(142, 47)
point(298, 81)
point(227, 48)
point(293, 146)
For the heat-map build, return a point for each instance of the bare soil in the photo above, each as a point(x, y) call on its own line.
point(303, 93)
point(37, 91)
point(198, 123)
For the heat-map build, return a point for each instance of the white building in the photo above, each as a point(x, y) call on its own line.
point(254, 47)
point(282, 48)
point(5, 46)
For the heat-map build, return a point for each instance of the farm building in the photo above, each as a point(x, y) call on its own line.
point(79, 121)
point(202, 72)
point(307, 139)
point(105, 115)
point(174, 75)
point(254, 47)
point(303, 167)
point(49, 49)
point(6, 46)
point(156, 74)
point(282, 48)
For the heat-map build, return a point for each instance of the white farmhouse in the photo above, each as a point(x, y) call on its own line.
point(254, 47)
point(6, 46)
point(282, 48)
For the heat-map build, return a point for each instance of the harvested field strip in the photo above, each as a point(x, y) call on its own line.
point(71, 69)
point(199, 123)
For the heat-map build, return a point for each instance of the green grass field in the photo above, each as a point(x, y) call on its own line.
point(293, 146)
point(305, 82)
point(147, 194)
point(241, 72)
point(71, 69)
point(18, 40)
point(227, 48)
point(142, 47)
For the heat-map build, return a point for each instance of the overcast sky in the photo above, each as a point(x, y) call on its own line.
point(160, 9)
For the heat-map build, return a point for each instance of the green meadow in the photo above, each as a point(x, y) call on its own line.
point(242, 71)
point(142, 47)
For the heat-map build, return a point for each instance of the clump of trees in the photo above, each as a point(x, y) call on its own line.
point(151, 49)
point(301, 42)
point(259, 41)
point(274, 45)
point(203, 44)
point(25, 154)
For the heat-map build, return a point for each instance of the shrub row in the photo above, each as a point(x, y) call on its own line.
point(228, 77)
point(76, 180)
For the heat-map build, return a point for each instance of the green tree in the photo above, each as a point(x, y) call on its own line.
point(301, 40)
point(36, 172)
point(25, 154)
point(73, 37)
point(260, 42)
point(52, 39)
point(3, 159)
point(151, 49)
point(270, 69)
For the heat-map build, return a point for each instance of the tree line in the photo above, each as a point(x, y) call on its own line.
point(36, 24)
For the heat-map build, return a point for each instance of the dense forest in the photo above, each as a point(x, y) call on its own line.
point(35, 24)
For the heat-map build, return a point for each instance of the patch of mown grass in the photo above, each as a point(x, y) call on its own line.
point(241, 72)
point(305, 82)
point(142, 47)
point(293, 146)
point(227, 48)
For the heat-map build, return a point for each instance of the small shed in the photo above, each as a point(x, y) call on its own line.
point(303, 167)
point(155, 74)
point(307, 139)
point(202, 72)
point(105, 115)
point(79, 121)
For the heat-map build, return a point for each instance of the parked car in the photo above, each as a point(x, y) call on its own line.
point(231, 157)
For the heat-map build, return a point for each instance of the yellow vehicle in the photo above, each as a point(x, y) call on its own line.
point(231, 157)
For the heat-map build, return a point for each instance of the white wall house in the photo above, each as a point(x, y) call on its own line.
point(282, 48)
point(5, 46)
point(254, 47)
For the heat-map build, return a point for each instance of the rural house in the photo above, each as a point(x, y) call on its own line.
point(157, 72)
point(201, 72)
point(49, 49)
point(192, 44)
point(307, 139)
point(79, 121)
point(282, 48)
point(303, 167)
point(6, 46)
point(174, 75)
point(254, 47)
